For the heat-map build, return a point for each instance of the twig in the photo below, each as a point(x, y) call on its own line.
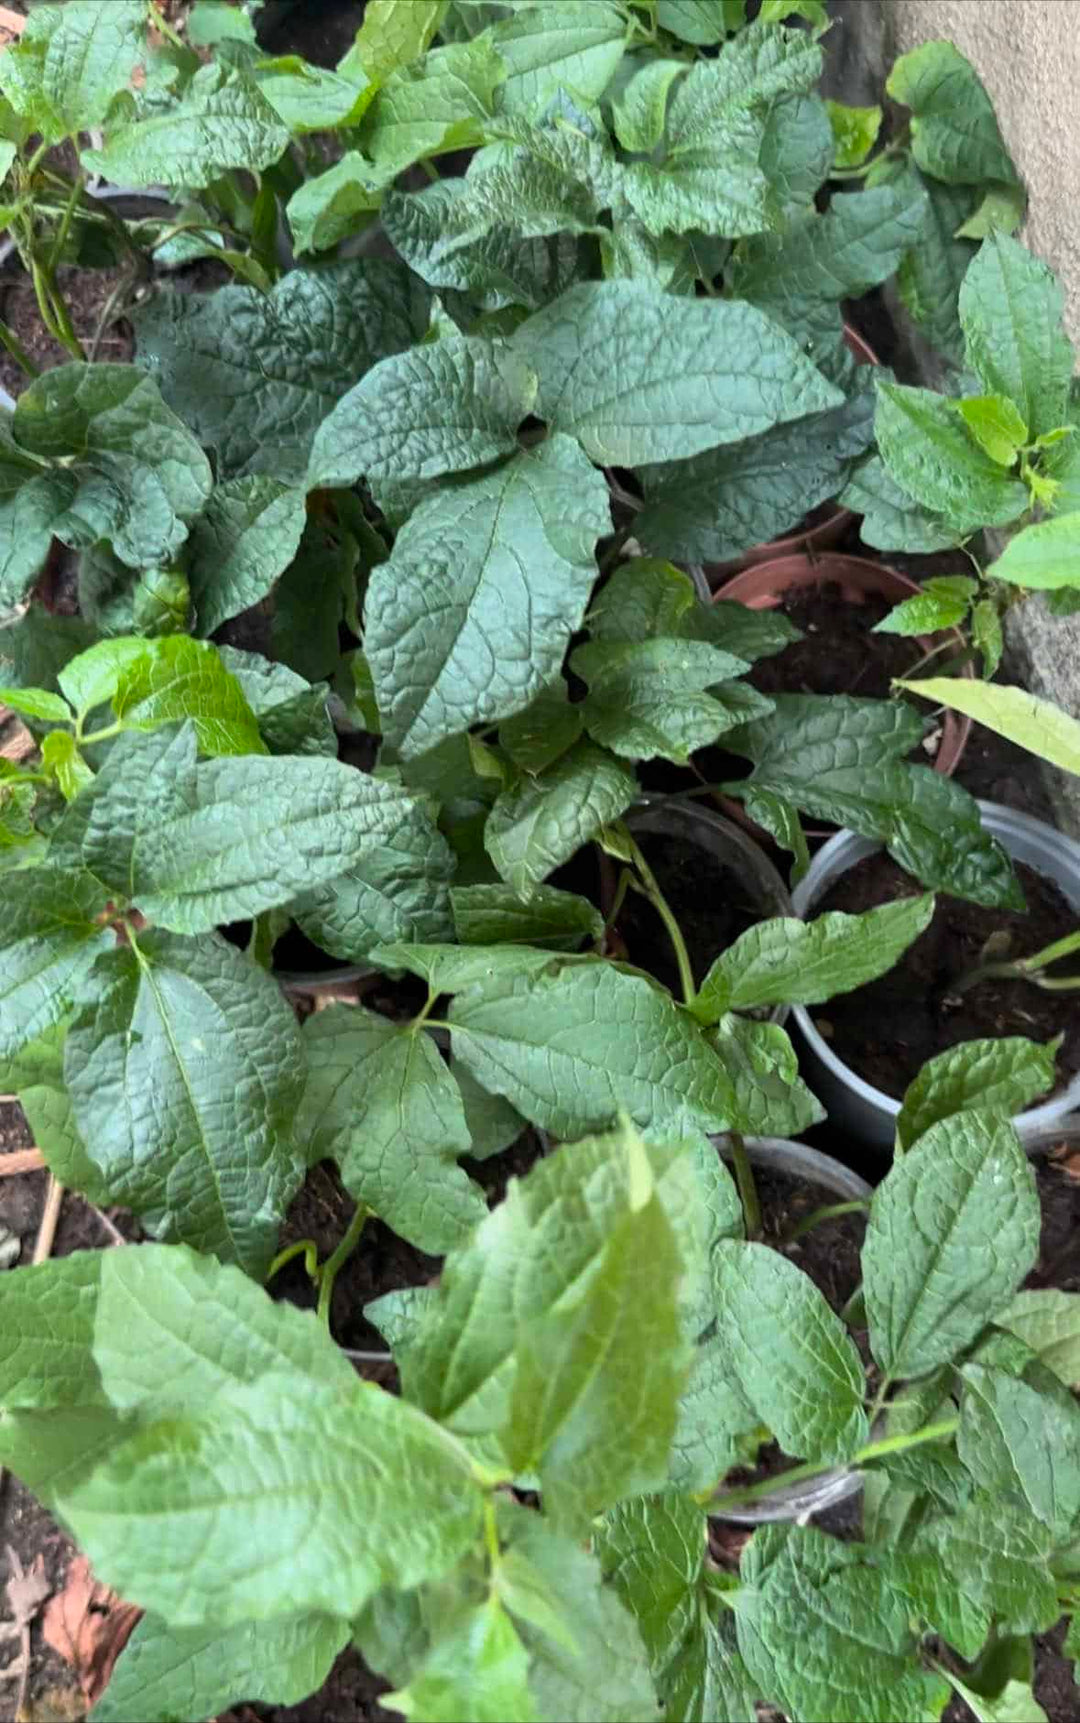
point(21, 1161)
point(51, 1214)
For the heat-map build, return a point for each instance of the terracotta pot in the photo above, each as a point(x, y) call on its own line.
point(761, 588)
point(829, 530)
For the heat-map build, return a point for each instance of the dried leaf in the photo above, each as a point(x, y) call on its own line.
point(88, 1626)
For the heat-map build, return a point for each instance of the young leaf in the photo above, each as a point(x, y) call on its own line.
point(943, 603)
point(432, 105)
point(954, 133)
point(930, 453)
point(539, 823)
point(650, 698)
point(855, 132)
point(437, 409)
point(987, 635)
point(787, 962)
point(479, 1667)
point(1049, 1322)
point(932, 1287)
point(571, 1049)
point(495, 914)
point(255, 374)
point(195, 1672)
point(52, 934)
point(456, 634)
point(1044, 556)
point(638, 114)
point(382, 1103)
point(177, 678)
point(1003, 1075)
point(221, 122)
point(393, 33)
point(362, 1488)
point(577, 47)
point(997, 426)
point(1022, 1445)
point(245, 538)
point(791, 1356)
point(1037, 725)
point(1011, 310)
point(206, 1037)
point(636, 375)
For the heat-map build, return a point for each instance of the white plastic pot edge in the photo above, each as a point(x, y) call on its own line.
point(868, 1112)
point(799, 1501)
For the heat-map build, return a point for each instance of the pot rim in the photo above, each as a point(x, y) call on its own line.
point(1003, 823)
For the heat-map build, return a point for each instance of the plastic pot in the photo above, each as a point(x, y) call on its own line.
point(828, 530)
point(855, 1105)
point(812, 1495)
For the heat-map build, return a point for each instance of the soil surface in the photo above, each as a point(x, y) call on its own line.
point(1058, 1180)
point(712, 905)
point(86, 293)
point(1054, 1685)
point(887, 1030)
point(839, 653)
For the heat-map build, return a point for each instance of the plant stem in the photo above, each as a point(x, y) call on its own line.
point(615, 548)
point(1027, 968)
point(162, 24)
point(744, 1178)
point(305, 1247)
point(18, 352)
point(663, 910)
point(422, 1015)
point(333, 1265)
point(814, 1469)
point(934, 652)
point(64, 229)
point(625, 881)
point(831, 1211)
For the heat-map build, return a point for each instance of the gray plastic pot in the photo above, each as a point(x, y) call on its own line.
point(855, 1105)
point(812, 1495)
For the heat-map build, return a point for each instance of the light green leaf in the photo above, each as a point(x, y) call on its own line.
point(439, 408)
point(1037, 725)
point(1001, 211)
point(855, 132)
point(178, 677)
point(790, 1355)
point(541, 822)
point(570, 1049)
point(37, 703)
point(494, 914)
point(954, 134)
point(943, 603)
point(61, 758)
point(456, 633)
point(1042, 557)
point(210, 23)
point(91, 678)
point(650, 698)
point(205, 1037)
point(192, 1673)
point(996, 425)
point(787, 962)
point(544, 731)
point(432, 105)
point(987, 635)
point(953, 1229)
point(382, 1103)
point(52, 935)
point(255, 374)
point(221, 122)
point(575, 46)
point(360, 1487)
point(291, 714)
point(1003, 1075)
point(128, 470)
point(932, 456)
point(479, 1667)
point(637, 375)
point(1011, 310)
point(393, 33)
point(1016, 1703)
point(1048, 1322)
point(1022, 1444)
point(70, 62)
point(245, 538)
point(640, 111)
point(310, 98)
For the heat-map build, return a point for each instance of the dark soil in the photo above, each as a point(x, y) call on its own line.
point(839, 653)
point(1054, 1685)
point(887, 1030)
point(86, 293)
point(1058, 1180)
point(711, 904)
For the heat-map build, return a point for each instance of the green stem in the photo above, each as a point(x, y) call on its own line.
point(308, 1249)
point(18, 352)
point(422, 1016)
point(164, 26)
point(831, 1211)
point(814, 1469)
point(744, 1178)
point(1052, 953)
point(934, 652)
point(625, 881)
point(104, 735)
point(660, 904)
point(64, 229)
point(333, 1265)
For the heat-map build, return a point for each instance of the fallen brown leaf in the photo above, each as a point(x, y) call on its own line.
point(88, 1626)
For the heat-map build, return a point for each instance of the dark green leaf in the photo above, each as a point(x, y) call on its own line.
point(493, 914)
point(770, 1097)
point(1004, 1074)
point(954, 134)
point(854, 246)
point(539, 823)
point(1011, 310)
point(651, 698)
point(292, 716)
point(891, 519)
point(247, 535)
point(930, 276)
point(1049, 1322)
point(931, 454)
point(544, 731)
point(432, 105)
point(52, 934)
point(65, 70)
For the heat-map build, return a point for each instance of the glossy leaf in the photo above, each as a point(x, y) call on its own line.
point(539, 823)
point(1003, 1074)
point(493, 914)
point(178, 678)
point(221, 122)
point(245, 538)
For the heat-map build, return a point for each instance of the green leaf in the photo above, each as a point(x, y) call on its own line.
point(544, 731)
point(791, 1356)
point(1003, 1557)
point(60, 756)
point(1048, 1322)
point(382, 1103)
point(462, 968)
point(246, 537)
point(650, 698)
point(854, 246)
point(1015, 1703)
point(788, 962)
point(576, 47)
point(209, 24)
point(493, 1124)
point(996, 425)
point(192, 1673)
point(1022, 1444)
point(433, 105)
point(1001, 211)
point(91, 678)
point(310, 98)
point(636, 375)
point(393, 33)
point(987, 635)
point(71, 62)
point(441, 408)
point(931, 275)
point(541, 822)
point(932, 456)
point(930, 1288)
point(942, 603)
point(334, 204)
point(255, 374)
point(855, 132)
point(205, 1036)
point(30, 501)
point(1037, 725)
point(761, 1063)
point(639, 112)
point(1003, 1075)
point(891, 519)
point(361, 1487)
point(570, 1049)
point(221, 122)
point(37, 703)
point(1011, 309)
point(177, 678)
point(52, 935)
point(455, 634)
point(1042, 557)
point(291, 714)
point(826, 1635)
point(128, 470)
point(479, 1666)
point(495, 914)
point(954, 134)
point(702, 22)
